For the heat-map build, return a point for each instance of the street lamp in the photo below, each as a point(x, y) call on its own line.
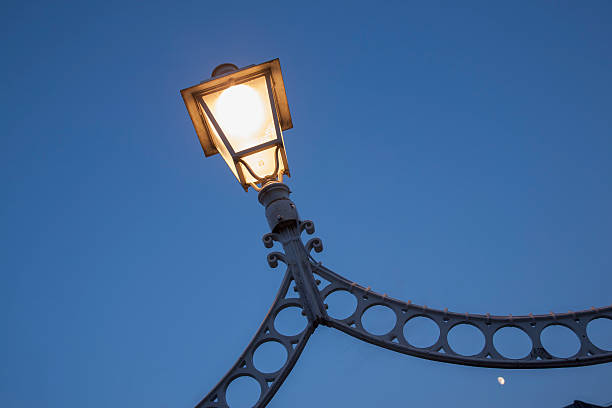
point(241, 113)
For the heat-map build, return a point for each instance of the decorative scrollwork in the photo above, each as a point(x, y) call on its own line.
point(489, 356)
point(244, 366)
point(268, 239)
point(314, 243)
point(307, 226)
point(274, 257)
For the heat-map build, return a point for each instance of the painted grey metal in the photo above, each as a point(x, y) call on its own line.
point(269, 382)
point(488, 325)
point(223, 69)
point(304, 272)
point(280, 210)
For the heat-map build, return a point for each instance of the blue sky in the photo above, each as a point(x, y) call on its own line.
point(454, 155)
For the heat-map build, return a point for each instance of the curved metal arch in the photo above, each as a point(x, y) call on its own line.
point(302, 270)
point(269, 382)
point(488, 325)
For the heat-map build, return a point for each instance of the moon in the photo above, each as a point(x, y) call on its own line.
point(501, 380)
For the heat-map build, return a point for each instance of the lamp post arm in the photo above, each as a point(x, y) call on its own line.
point(303, 271)
point(286, 229)
point(269, 382)
point(488, 325)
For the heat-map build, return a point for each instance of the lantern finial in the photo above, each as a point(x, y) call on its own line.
point(223, 69)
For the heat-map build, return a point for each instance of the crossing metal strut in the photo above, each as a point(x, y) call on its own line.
point(303, 273)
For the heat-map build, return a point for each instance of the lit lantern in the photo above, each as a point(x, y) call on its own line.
point(241, 113)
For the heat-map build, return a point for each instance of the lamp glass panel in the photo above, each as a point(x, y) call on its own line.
point(221, 147)
point(243, 113)
point(262, 164)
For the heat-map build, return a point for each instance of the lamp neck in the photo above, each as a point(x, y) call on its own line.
point(286, 228)
point(280, 210)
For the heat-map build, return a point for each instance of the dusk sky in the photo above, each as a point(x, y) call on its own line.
point(455, 154)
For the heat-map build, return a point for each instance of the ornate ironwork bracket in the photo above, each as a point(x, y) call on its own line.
point(488, 325)
point(268, 382)
point(303, 271)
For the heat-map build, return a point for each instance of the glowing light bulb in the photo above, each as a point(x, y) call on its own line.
point(501, 380)
point(240, 113)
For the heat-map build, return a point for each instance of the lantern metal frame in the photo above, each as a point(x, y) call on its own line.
point(199, 112)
